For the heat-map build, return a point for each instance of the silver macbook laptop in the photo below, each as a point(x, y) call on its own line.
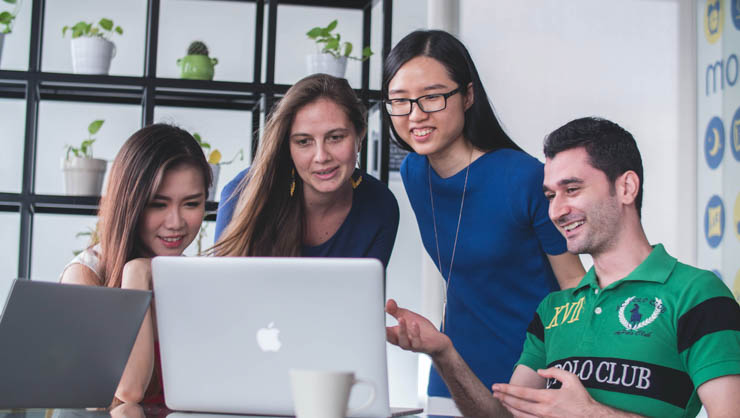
point(65, 346)
point(231, 328)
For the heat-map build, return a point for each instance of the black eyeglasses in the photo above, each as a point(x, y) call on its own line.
point(427, 104)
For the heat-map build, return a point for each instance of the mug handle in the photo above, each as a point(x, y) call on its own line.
point(369, 401)
point(114, 51)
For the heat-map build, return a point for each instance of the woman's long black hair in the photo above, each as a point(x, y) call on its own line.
point(482, 128)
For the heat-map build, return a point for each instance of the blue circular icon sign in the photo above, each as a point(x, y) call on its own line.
point(714, 16)
point(735, 134)
point(714, 221)
point(714, 142)
point(735, 12)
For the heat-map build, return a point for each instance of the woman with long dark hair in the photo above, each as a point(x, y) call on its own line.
point(303, 195)
point(478, 201)
point(153, 205)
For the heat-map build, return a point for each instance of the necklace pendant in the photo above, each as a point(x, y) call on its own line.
point(436, 237)
point(444, 315)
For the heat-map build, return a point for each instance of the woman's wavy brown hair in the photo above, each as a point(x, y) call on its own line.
point(267, 221)
point(134, 178)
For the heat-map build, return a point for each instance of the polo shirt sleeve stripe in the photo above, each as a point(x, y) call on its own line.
point(712, 315)
point(533, 353)
point(536, 328)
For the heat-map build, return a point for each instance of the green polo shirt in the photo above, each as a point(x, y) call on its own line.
point(644, 343)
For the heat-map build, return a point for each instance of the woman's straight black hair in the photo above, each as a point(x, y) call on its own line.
point(482, 128)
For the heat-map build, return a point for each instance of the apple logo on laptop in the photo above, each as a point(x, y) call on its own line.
point(267, 338)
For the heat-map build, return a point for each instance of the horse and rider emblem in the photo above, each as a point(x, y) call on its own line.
point(638, 319)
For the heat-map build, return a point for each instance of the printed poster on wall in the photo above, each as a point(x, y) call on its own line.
point(718, 139)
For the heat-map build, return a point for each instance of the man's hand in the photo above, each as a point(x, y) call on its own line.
point(571, 400)
point(414, 332)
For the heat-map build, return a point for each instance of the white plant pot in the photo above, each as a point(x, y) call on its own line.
point(327, 64)
point(2, 39)
point(215, 169)
point(92, 55)
point(83, 176)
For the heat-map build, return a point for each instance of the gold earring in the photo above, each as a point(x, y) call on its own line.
point(292, 181)
point(355, 183)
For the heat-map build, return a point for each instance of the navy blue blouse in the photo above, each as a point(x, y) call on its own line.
point(368, 231)
point(500, 271)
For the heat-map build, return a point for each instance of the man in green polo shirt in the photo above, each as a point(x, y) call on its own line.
point(641, 333)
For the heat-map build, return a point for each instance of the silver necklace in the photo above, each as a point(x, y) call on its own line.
point(436, 238)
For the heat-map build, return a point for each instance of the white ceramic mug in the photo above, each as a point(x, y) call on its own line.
point(325, 394)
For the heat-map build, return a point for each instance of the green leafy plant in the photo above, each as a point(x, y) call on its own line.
point(85, 148)
point(331, 43)
point(103, 29)
point(7, 18)
point(214, 155)
point(93, 238)
point(201, 235)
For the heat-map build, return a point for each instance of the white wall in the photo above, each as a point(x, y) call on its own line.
point(404, 276)
point(546, 62)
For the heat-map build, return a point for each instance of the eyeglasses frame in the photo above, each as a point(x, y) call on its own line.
point(446, 96)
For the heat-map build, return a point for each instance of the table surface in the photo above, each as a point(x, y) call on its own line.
point(129, 411)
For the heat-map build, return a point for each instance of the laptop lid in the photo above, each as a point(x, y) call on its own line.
point(65, 346)
point(230, 329)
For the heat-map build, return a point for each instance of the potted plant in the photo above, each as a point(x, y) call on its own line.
point(214, 160)
point(333, 54)
point(201, 235)
point(6, 22)
point(92, 238)
point(92, 49)
point(83, 174)
point(197, 65)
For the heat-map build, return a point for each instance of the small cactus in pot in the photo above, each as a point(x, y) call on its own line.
point(197, 65)
point(197, 48)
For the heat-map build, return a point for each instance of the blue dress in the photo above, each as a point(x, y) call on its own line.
point(368, 231)
point(500, 272)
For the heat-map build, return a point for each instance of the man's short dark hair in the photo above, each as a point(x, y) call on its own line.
point(610, 148)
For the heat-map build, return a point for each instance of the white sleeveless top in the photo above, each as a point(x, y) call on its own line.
point(89, 258)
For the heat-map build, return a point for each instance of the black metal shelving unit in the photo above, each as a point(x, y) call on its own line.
point(149, 91)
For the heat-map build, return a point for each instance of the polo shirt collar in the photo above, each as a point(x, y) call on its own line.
point(657, 267)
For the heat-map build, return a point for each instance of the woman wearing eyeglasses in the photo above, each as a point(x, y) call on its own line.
point(479, 204)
